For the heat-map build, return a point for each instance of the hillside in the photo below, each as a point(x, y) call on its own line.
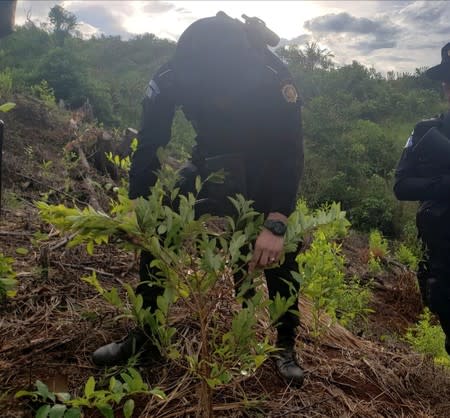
point(52, 325)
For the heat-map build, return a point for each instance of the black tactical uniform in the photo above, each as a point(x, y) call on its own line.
point(242, 103)
point(423, 174)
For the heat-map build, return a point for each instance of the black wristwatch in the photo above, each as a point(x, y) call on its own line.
point(276, 227)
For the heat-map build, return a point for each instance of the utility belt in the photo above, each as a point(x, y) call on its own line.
point(223, 176)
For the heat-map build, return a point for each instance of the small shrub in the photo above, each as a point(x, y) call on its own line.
point(405, 256)
point(378, 246)
point(323, 281)
point(7, 277)
point(428, 339)
point(44, 92)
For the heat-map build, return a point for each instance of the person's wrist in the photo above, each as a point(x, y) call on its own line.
point(277, 216)
point(276, 226)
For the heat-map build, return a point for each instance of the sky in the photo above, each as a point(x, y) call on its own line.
point(389, 35)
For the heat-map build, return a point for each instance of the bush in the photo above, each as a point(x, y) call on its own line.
point(323, 281)
point(428, 339)
point(44, 92)
point(405, 256)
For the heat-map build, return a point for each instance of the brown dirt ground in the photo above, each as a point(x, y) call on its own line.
point(49, 330)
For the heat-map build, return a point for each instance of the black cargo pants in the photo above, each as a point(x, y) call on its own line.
point(434, 280)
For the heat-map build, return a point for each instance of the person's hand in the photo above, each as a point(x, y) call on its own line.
point(268, 250)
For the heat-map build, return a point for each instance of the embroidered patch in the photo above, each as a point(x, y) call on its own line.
point(409, 142)
point(152, 90)
point(289, 93)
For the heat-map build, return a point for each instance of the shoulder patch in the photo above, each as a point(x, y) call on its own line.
point(409, 142)
point(289, 93)
point(152, 90)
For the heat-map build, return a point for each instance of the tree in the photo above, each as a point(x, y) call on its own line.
point(63, 22)
point(309, 57)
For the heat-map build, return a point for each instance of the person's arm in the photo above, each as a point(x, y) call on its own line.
point(155, 132)
point(287, 156)
point(286, 167)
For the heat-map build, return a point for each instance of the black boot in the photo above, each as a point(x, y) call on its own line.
point(287, 365)
point(117, 353)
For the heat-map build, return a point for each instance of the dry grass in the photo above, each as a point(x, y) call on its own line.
point(50, 329)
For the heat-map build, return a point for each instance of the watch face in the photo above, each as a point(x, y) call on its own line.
point(276, 227)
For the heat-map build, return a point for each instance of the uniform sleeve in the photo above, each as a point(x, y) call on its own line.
point(157, 116)
point(286, 151)
point(411, 183)
point(289, 165)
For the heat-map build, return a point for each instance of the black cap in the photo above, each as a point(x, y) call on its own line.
point(441, 72)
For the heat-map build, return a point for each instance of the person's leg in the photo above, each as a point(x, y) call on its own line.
point(438, 287)
point(280, 280)
point(116, 353)
point(149, 287)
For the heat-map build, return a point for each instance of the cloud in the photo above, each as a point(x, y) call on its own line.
point(102, 18)
point(298, 40)
point(156, 7)
point(427, 12)
point(367, 34)
point(344, 22)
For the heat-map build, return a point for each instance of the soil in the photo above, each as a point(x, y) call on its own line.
point(56, 320)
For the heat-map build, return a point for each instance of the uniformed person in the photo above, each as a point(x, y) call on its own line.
point(7, 16)
point(423, 174)
point(244, 107)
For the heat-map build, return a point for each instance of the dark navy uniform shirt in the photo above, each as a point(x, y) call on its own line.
point(263, 124)
point(410, 181)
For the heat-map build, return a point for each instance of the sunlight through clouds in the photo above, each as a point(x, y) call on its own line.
point(390, 35)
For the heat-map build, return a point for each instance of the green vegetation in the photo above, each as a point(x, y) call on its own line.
point(427, 338)
point(8, 279)
point(323, 280)
point(119, 391)
point(194, 258)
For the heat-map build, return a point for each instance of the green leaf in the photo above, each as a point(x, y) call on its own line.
point(89, 387)
point(73, 413)
point(43, 411)
point(63, 396)
point(6, 107)
point(106, 410)
point(57, 411)
point(22, 393)
point(128, 408)
point(43, 391)
point(90, 247)
point(22, 251)
point(158, 393)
